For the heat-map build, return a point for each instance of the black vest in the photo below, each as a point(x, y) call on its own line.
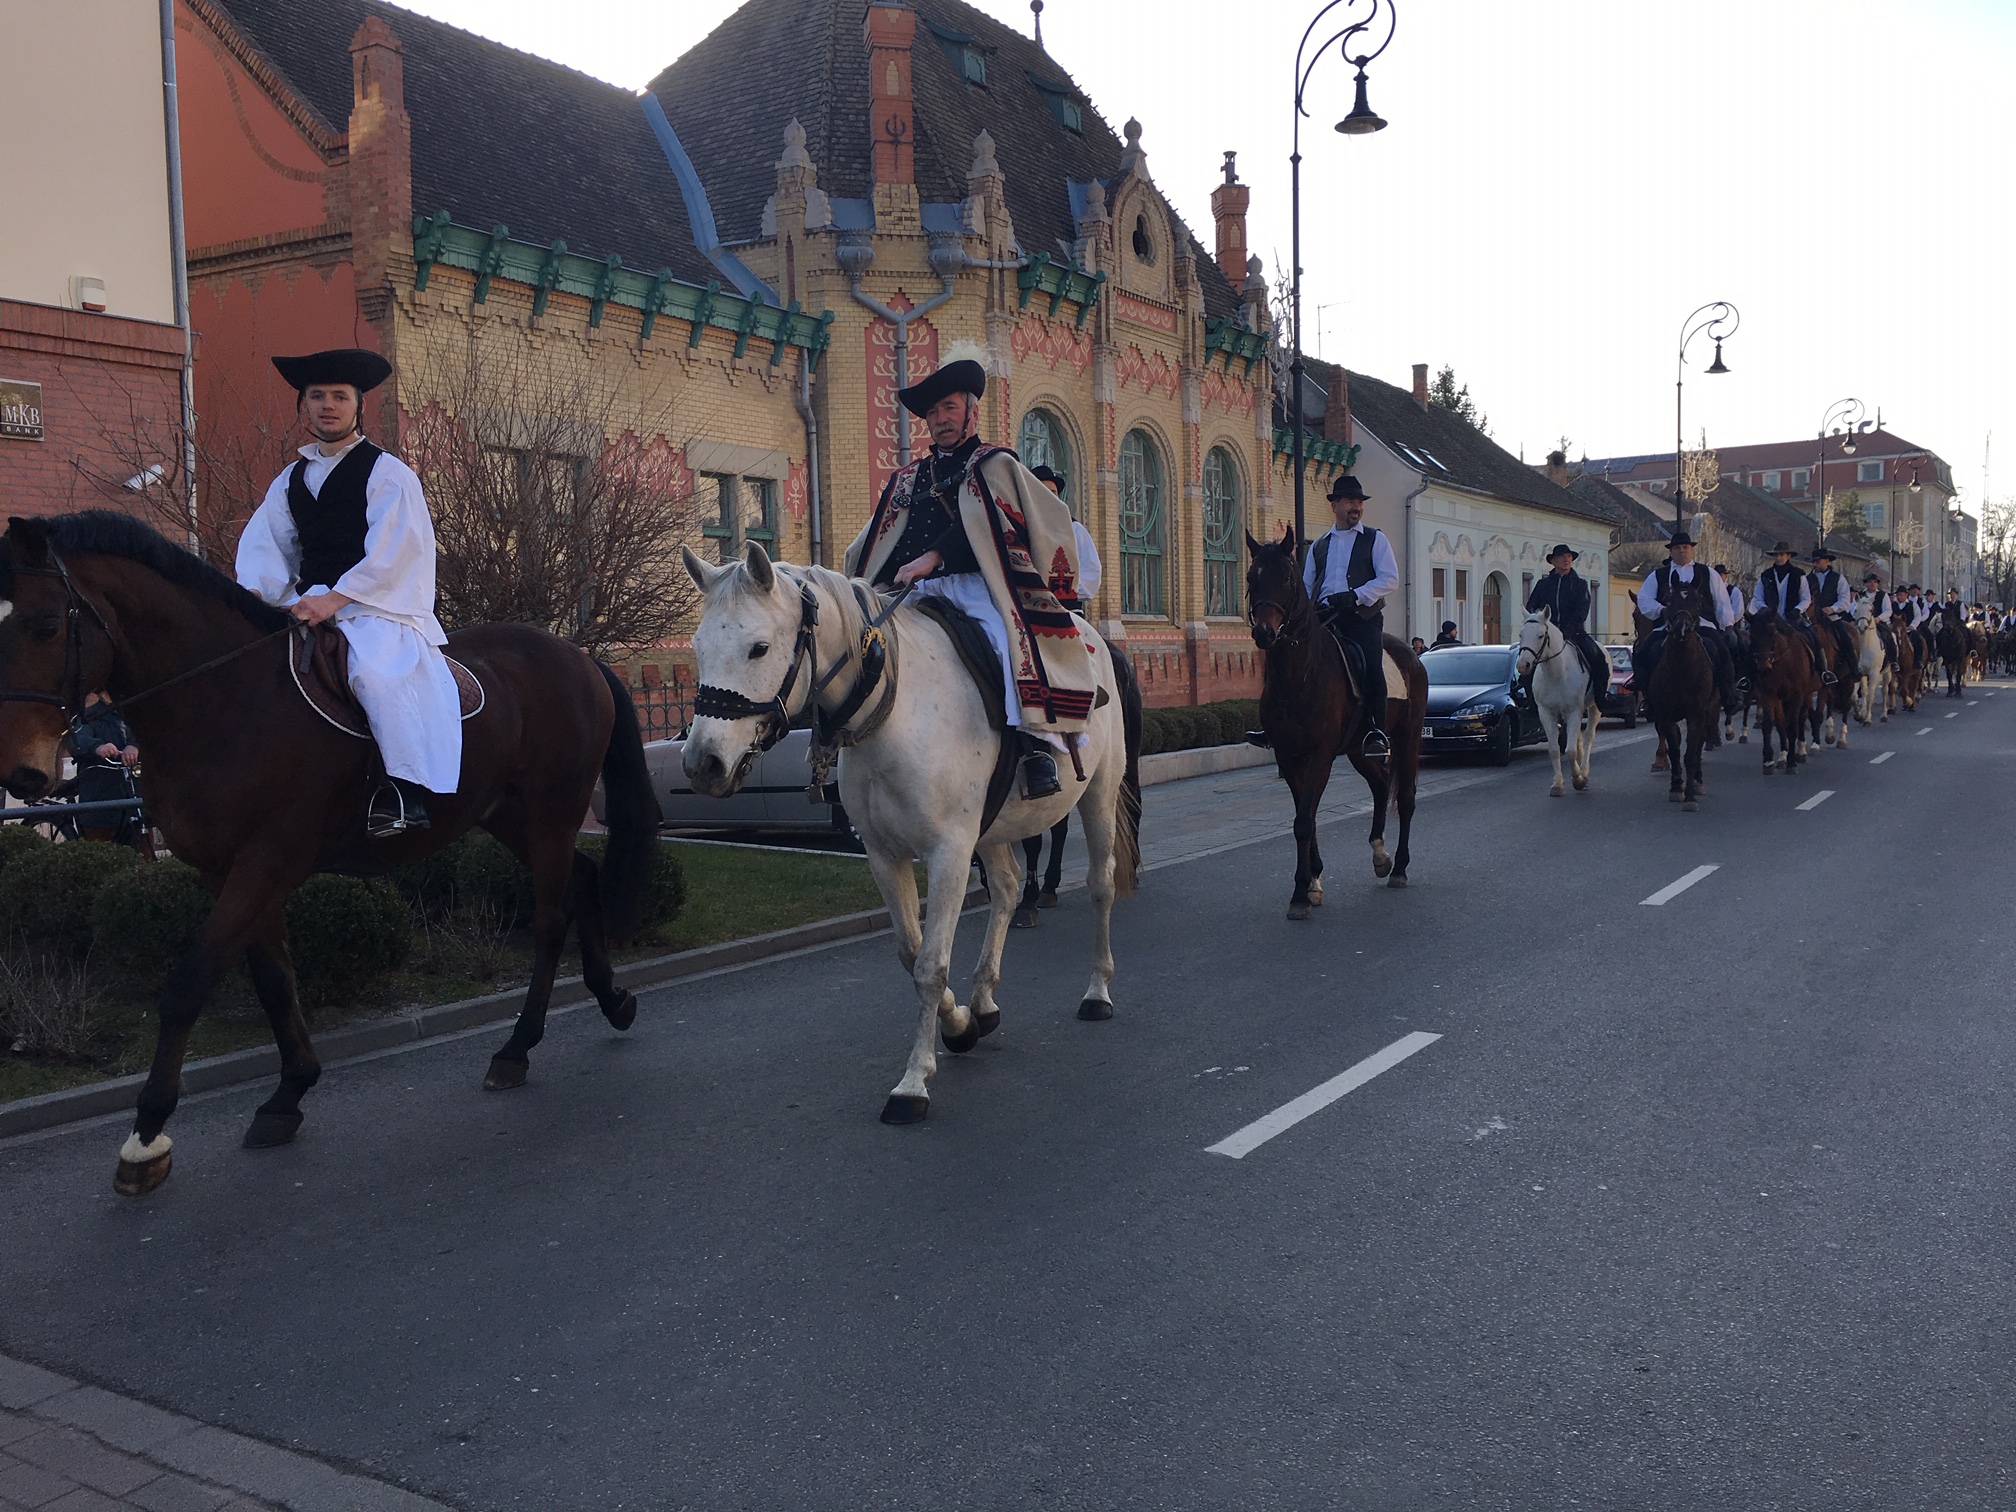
point(1826, 588)
point(1786, 599)
point(1879, 604)
point(1358, 571)
point(331, 525)
point(1697, 585)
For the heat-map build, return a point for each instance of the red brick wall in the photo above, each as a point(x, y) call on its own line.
point(111, 394)
point(1176, 670)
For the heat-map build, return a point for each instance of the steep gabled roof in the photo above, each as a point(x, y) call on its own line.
point(1633, 520)
point(730, 96)
point(499, 136)
point(1451, 449)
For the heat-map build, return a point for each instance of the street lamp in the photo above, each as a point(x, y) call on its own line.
point(1843, 419)
point(1718, 321)
point(1360, 122)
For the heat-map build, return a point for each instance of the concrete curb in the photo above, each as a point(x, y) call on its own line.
point(168, 1442)
point(28, 1114)
point(1174, 766)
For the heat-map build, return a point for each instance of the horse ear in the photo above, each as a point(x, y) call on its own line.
point(1547, 613)
point(1288, 539)
point(757, 562)
point(704, 576)
point(30, 540)
point(1252, 546)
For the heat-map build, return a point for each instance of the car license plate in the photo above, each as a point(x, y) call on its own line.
point(1427, 732)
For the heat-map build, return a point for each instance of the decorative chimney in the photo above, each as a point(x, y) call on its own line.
point(888, 30)
point(1421, 384)
point(1557, 469)
point(1228, 209)
point(381, 168)
point(1337, 408)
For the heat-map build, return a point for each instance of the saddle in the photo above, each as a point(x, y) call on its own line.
point(319, 658)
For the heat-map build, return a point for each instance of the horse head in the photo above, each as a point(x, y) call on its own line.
point(1536, 640)
point(1276, 602)
point(1682, 614)
point(41, 659)
point(756, 631)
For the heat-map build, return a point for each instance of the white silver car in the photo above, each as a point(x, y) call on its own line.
point(772, 797)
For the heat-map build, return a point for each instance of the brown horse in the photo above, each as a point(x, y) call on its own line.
point(1783, 685)
point(1910, 660)
point(258, 791)
point(1952, 644)
point(1681, 690)
point(1310, 709)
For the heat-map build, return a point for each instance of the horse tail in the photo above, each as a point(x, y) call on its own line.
point(630, 812)
point(1127, 823)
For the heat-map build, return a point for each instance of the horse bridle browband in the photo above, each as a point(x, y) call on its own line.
point(710, 702)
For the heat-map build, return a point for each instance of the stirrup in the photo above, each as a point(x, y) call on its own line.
point(1829, 679)
point(1039, 775)
point(1369, 750)
point(396, 807)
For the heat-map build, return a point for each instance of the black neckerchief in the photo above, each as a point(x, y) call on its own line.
point(947, 470)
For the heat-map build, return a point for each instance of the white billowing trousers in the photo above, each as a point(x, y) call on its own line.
point(409, 696)
point(968, 591)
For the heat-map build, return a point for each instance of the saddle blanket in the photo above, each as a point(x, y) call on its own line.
point(320, 661)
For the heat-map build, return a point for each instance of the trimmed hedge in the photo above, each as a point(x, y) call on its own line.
point(1187, 727)
point(145, 918)
point(18, 840)
point(46, 894)
point(343, 931)
point(664, 895)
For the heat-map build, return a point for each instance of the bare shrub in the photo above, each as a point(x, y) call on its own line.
point(46, 1006)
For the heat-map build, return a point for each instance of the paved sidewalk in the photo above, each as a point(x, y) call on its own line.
point(67, 1447)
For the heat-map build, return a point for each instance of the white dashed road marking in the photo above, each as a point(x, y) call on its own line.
point(1816, 800)
point(1926, 731)
point(1673, 890)
point(1238, 1146)
point(1879, 760)
point(1972, 701)
point(1954, 715)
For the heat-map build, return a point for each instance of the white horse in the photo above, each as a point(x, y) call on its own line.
point(1562, 692)
point(1874, 672)
point(916, 753)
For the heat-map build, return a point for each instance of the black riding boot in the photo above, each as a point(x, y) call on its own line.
point(1039, 768)
point(1375, 746)
point(396, 807)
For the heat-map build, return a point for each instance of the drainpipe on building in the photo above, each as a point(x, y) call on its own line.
point(804, 398)
point(1408, 524)
point(946, 258)
point(178, 251)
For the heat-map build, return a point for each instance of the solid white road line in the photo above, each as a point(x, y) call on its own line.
point(1238, 1146)
point(1673, 890)
point(1879, 760)
point(1816, 800)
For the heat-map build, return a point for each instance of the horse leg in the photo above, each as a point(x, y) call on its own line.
point(1406, 765)
point(618, 1007)
point(1669, 738)
point(983, 1016)
point(1378, 777)
point(239, 915)
point(1552, 722)
point(1764, 725)
point(550, 857)
point(1585, 745)
point(1307, 788)
point(272, 971)
point(911, 1099)
point(1098, 812)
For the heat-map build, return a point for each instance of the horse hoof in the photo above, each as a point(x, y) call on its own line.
point(905, 1109)
point(1046, 899)
point(270, 1129)
point(1691, 806)
point(1742, 740)
point(1675, 796)
point(1581, 784)
point(504, 1075)
point(988, 1021)
point(142, 1167)
point(1381, 863)
point(1298, 911)
point(1095, 1010)
point(624, 1014)
point(959, 1044)
point(1025, 918)
point(1398, 879)
point(1555, 791)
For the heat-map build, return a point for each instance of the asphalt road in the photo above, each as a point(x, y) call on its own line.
point(1701, 1204)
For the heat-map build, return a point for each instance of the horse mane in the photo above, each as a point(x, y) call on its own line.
point(104, 532)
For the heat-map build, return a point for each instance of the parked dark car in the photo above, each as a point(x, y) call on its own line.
point(773, 797)
point(1620, 699)
point(1470, 703)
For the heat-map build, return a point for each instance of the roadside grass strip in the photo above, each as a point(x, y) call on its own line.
point(1879, 760)
point(1673, 890)
point(1816, 800)
point(1239, 1145)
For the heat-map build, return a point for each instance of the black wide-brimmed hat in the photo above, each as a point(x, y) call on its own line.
point(1721, 566)
point(1823, 553)
point(1780, 548)
point(1680, 538)
point(1043, 472)
point(1872, 576)
point(1573, 555)
point(1344, 486)
point(962, 377)
point(363, 370)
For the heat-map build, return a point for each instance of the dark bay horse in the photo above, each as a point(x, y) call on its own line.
point(1953, 646)
point(1783, 683)
point(1681, 690)
point(258, 791)
point(1311, 714)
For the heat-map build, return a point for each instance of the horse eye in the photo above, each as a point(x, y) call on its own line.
point(761, 648)
point(43, 629)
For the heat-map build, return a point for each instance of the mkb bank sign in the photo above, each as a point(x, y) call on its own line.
point(20, 410)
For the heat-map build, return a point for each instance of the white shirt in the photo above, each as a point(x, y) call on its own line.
point(396, 578)
point(1089, 570)
point(1648, 594)
point(1385, 571)
point(1843, 601)
point(1758, 604)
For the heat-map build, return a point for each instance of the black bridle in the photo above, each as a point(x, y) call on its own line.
point(1289, 616)
point(710, 702)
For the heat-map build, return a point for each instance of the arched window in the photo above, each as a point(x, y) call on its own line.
point(1495, 589)
point(1041, 443)
point(1141, 529)
point(1221, 532)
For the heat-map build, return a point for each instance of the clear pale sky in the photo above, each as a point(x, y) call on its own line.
point(1561, 183)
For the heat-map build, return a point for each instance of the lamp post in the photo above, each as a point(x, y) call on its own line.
point(1360, 122)
point(1843, 419)
point(1718, 320)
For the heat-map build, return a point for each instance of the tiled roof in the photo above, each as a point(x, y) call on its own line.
point(1768, 454)
point(1634, 521)
point(1468, 458)
point(1763, 520)
point(730, 96)
point(498, 135)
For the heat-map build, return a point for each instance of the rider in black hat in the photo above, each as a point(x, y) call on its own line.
point(1349, 573)
point(1834, 605)
point(1565, 595)
point(1680, 574)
